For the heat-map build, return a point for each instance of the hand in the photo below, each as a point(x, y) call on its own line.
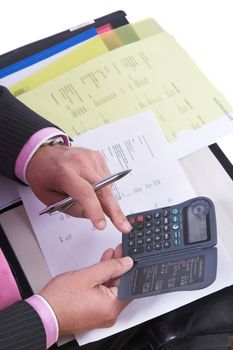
point(87, 299)
point(55, 172)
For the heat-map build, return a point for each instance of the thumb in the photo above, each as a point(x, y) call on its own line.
point(110, 269)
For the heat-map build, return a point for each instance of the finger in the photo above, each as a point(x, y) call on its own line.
point(50, 197)
point(83, 193)
point(107, 270)
point(112, 208)
point(113, 283)
point(117, 254)
point(112, 254)
point(108, 254)
point(118, 251)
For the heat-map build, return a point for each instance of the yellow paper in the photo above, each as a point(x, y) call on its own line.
point(92, 48)
point(154, 73)
point(89, 50)
point(146, 28)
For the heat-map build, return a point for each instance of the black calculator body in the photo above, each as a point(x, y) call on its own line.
point(173, 249)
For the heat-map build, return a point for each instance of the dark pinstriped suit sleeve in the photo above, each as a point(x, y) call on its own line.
point(17, 124)
point(21, 328)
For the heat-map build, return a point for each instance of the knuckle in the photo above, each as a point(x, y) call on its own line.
point(88, 191)
point(62, 166)
point(120, 264)
point(105, 192)
point(116, 265)
point(118, 212)
point(110, 317)
point(99, 155)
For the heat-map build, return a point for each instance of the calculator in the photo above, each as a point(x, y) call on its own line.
point(173, 249)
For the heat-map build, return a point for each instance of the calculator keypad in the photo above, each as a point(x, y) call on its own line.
point(154, 232)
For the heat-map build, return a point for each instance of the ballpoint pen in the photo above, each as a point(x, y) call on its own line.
point(66, 203)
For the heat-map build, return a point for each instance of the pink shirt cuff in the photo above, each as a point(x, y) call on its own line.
point(47, 316)
point(31, 147)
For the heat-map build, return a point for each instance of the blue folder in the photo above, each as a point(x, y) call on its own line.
point(26, 62)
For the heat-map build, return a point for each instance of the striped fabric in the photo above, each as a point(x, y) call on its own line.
point(21, 328)
point(14, 115)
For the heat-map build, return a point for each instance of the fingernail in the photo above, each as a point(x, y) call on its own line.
point(126, 226)
point(101, 224)
point(127, 261)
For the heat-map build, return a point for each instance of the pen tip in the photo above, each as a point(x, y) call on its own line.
point(125, 172)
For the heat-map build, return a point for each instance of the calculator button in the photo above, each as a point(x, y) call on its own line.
point(158, 238)
point(166, 236)
point(149, 240)
point(166, 221)
point(149, 248)
point(149, 232)
point(167, 244)
point(131, 244)
point(140, 218)
point(136, 250)
point(158, 246)
point(176, 234)
point(140, 234)
point(157, 222)
point(166, 228)
point(140, 241)
point(140, 226)
point(148, 217)
point(131, 235)
point(176, 242)
point(175, 226)
point(157, 230)
point(166, 213)
point(132, 220)
point(148, 224)
point(175, 218)
point(157, 215)
point(175, 211)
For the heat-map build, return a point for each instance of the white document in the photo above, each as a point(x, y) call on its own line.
point(156, 180)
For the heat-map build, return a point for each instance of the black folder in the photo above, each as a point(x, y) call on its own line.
point(116, 19)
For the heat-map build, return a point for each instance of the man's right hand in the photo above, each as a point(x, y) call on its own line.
point(87, 298)
point(60, 171)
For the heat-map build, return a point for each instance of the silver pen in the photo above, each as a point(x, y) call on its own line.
point(66, 203)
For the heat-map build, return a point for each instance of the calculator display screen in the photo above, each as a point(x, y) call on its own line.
point(197, 225)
